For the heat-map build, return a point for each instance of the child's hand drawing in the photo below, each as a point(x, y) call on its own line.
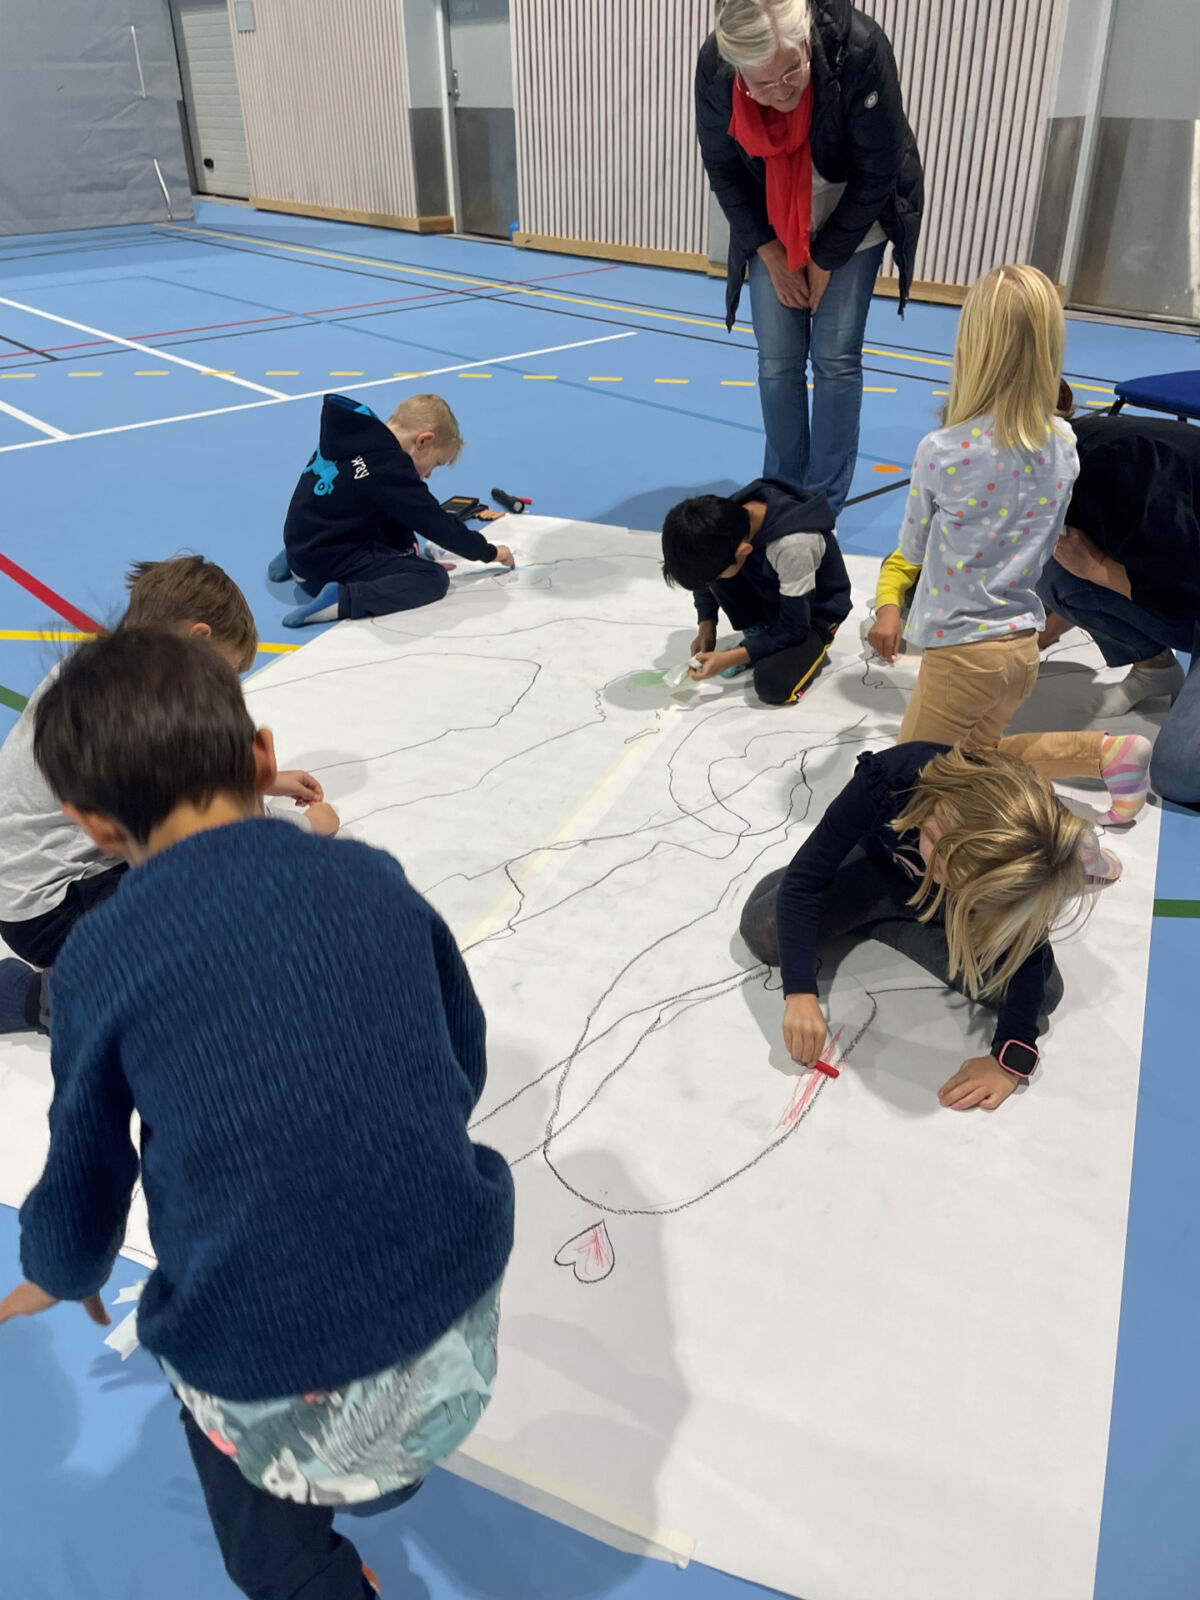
point(301, 787)
point(804, 1028)
point(982, 1081)
point(884, 636)
point(27, 1300)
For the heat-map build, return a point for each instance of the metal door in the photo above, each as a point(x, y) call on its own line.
point(220, 161)
point(484, 125)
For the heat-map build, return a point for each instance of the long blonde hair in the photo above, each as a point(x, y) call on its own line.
point(1008, 356)
point(751, 32)
point(1009, 858)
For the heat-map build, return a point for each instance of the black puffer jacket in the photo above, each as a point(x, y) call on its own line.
point(860, 137)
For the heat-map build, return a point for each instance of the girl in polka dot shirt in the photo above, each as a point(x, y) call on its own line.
point(988, 499)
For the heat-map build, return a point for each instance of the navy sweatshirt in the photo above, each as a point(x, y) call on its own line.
point(876, 795)
point(796, 568)
point(317, 1208)
point(361, 491)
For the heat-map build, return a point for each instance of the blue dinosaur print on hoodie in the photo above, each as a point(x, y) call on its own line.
point(326, 472)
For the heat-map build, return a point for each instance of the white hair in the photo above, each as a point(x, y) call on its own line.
point(751, 32)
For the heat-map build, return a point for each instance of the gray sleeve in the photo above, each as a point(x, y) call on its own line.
point(796, 558)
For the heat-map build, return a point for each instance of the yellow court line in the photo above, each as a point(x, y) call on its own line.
point(85, 374)
point(451, 277)
point(737, 383)
point(515, 288)
point(401, 374)
point(41, 637)
point(279, 373)
point(880, 391)
point(672, 380)
point(218, 372)
point(476, 374)
point(540, 377)
point(899, 355)
point(606, 380)
point(18, 374)
point(146, 372)
point(1093, 388)
point(58, 636)
point(345, 374)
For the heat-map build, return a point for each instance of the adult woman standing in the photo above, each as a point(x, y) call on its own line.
point(808, 151)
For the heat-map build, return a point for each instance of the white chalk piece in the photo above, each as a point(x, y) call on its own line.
point(123, 1338)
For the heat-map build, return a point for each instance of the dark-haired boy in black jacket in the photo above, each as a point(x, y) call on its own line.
point(769, 558)
point(361, 507)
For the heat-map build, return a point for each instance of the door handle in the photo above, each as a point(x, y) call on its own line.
point(455, 92)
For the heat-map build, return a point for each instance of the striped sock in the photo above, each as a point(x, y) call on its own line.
point(1125, 769)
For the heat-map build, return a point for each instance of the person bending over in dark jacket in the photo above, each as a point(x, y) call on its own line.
point(803, 134)
point(355, 530)
point(769, 558)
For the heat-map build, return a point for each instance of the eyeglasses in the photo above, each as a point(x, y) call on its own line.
point(796, 78)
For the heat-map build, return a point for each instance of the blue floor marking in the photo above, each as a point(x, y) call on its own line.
point(95, 1481)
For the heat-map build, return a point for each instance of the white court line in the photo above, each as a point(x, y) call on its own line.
point(313, 394)
point(44, 427)
point(146, 349)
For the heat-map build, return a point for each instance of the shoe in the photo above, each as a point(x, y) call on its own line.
point(323, 609)
point(736, 672)
point(279, 571)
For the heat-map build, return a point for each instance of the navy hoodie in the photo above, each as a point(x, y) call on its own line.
point(361, 491)
point(804, 584)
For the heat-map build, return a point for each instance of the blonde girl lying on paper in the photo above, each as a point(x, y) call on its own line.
point(964, 861)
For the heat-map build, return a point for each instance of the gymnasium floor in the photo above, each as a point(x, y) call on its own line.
point(159, 391)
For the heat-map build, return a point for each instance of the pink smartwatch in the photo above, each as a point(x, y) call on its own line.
point(1017, 1058)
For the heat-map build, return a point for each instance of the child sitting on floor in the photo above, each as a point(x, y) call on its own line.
point(769, 558)
point(330, 1243)
point(362, 509)
point(51, 872)
point(963, 861)
point(988, 500)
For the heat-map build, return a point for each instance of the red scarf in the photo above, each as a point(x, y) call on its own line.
point(781, 139)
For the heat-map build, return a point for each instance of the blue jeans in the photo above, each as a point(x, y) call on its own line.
point(1127, 633)
point(820, 459)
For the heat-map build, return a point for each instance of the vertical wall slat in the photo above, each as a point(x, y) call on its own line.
point(978, 79)
point(325, 99)
point(606, 127)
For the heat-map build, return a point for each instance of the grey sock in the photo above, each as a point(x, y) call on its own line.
point(1140, 683)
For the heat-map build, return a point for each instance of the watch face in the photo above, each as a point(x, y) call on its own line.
point(1018, 1058)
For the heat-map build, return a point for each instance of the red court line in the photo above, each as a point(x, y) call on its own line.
point(290, 316)
point(64, 608)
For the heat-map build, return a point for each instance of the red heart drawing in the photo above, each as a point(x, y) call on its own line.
point(589, 1254)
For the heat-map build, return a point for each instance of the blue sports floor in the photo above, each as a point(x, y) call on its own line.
point(146, 377)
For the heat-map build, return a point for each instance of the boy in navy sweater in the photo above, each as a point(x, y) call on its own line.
point(329, 1240)
point(768, 557)
point(357, 523)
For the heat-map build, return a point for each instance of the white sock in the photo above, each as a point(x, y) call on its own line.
point(1139, 684)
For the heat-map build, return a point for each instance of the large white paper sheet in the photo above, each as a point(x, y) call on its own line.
point(835, 1339)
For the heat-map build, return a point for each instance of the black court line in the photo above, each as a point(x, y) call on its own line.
point(873, 494)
